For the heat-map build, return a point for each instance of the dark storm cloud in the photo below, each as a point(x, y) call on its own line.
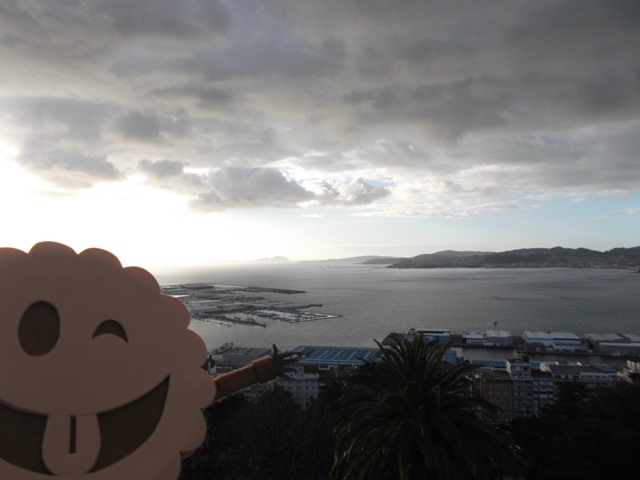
point(165, 17)
point(71, 169)
point(249, 187)
point(289, 59)
point(58, 139)
point(234, 187)
point(162, 168)
point(65, 118)
point(138, 125)
point(448, 110)
point(591, 158)
point(150, 126)
point(205, 97)
point(488, 96)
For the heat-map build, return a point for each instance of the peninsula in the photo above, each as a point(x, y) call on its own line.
point(617, 258)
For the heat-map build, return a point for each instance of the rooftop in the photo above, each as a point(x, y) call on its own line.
point(323, 355)
point(550, 335)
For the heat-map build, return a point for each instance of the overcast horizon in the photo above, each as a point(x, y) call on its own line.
point(190, 132)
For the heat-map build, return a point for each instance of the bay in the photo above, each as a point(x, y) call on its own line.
point(373, 301)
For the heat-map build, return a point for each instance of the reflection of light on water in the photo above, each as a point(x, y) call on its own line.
point(374, 302)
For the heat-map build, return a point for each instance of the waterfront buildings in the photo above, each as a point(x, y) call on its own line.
point(326, 356)
point(519, 387)
point(489, 338)
point(614, 344)
point(552, 341)
point(239, 357)
point(429, 335)
point(316, 366)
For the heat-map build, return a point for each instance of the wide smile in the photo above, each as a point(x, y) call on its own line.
point(122, 431)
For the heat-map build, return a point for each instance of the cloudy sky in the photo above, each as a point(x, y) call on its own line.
point(176, 132)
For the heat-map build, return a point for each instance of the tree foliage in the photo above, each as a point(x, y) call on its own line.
point(270, 438)
point(412, 416)
point(586, 434)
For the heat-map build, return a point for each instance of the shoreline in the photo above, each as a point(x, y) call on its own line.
point(520, 347)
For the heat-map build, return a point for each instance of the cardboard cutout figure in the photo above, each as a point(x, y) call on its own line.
point(100, 377)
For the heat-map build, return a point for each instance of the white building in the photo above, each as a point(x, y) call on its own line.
point(520, 371)
point(583, 373)
point(499, 337)
point(303, 385)
point(430, 335)
point(620, 349)
point(473, 338)
point(615, 344)
point(558, 341)
point(240, 356)
point(543, 390)
point(489, 338)
point(630, 372)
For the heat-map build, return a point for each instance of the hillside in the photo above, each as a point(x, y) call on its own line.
point(621, 258)
point(364, 259)
point(385, 260)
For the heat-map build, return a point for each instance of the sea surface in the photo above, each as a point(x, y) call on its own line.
point(373, 301)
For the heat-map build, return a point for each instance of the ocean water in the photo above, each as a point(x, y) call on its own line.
point(373, 301)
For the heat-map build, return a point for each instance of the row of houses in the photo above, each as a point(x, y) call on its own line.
point(518, 387)
point(521, 388)
point(316, 366)
point(535, 341)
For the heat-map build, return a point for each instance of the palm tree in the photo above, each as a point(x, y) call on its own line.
point(411, 416)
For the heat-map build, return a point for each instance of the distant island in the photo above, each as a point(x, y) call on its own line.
point(617, 258)
point(277, 259)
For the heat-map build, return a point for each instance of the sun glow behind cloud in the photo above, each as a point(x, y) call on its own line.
point(141, 224)
point(214, 131)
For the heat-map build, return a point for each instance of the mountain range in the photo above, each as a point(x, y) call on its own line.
point(619, 258)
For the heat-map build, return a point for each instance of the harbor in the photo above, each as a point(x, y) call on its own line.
point(232, 304)
point(533, 343)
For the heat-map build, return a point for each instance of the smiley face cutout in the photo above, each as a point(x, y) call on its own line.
point(100, 377)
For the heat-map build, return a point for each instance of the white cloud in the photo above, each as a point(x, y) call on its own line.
point(389, 107)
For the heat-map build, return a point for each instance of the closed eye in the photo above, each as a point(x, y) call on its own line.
point(111, 327)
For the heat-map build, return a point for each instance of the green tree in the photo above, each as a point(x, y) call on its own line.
point(412, 416)
point(587, 434)
point(271, 438)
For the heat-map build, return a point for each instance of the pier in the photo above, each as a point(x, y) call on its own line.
point(232, 304)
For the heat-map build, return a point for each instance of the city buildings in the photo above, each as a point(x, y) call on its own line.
point(553, 341)
point(496, 387)
point(429, 335)
point(518, 387)
point(614, 344)
point(316, 366)
point(488, 338)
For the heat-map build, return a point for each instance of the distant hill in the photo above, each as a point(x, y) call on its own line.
point(271, 260)
point(620, 258)
point(368, 259)
point(385, 260)
point(459, 254)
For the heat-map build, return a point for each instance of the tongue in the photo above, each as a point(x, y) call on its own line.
point(71, 444)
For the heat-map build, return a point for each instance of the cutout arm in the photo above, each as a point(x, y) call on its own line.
point(259, 371)
point(262, 370)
